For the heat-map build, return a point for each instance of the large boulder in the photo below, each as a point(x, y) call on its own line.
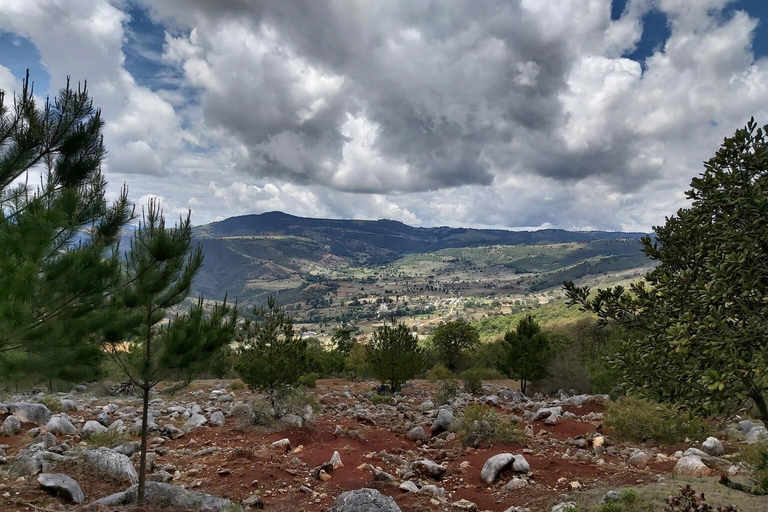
point(712, 447)
point(158, 495)
point(194, 421)
point(757, 433)
point(443, 422)
point(417, 434)
point(11, 426)
point(111, 463)
point(61, 485)
point(60, 424)
point(92, 428)
point(498, 463)
point(691, 465)
point(364, 500)
point(30, 413)
point(217, 418)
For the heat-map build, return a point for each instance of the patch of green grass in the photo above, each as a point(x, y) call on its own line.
point(639, 420)
point(482, 425)
point(52, 403)
point(382, 399)
point(110, 439)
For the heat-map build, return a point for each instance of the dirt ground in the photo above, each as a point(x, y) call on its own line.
point(233, 461)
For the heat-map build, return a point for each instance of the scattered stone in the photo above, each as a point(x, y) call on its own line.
point(336, 460)
point(639, 459)
point(713, 447)
point(30, 413)
point(364, 500)
point(443, 422)
point(111, 463)
point(429, 468)
point(409, 486)
point(11, 426)
point(255, 501)
point(195, 421)
point(161, 476)
point(217, 418)
point(515, 483)
point(417, 434)
point(61, 485)
point(757, 433)
point(611, 496)
point(93, 427)
point(496, 464)
point(562, 507)
point(159, 495)
point(691, 465)
point(58, 424)
point(465, 505)
point(282, 444)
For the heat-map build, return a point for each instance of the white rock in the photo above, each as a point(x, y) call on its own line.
point(690, 465)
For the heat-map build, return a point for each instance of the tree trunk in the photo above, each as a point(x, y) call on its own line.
point(762, 408)
point(143, 463)
point(522, 385)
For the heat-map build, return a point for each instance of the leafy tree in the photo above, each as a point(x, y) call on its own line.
point(58, 240)
point(271, 354)
point(140, 337)
point(355, 363)
point(700, 318)
point(450, 339)
point(323, 361)
point(393, 356)
point(525, 352)
point(343, 339)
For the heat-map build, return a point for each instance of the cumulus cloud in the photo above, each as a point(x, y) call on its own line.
point(490, 113)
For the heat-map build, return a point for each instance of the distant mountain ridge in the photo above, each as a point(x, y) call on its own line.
point(390, 238)
point(253, 256)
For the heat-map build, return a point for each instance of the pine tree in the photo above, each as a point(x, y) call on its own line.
point(271, 354)
point(525, 352)
point(393, 356)
point(452, 338)
point(58, 239)
point(143, 339)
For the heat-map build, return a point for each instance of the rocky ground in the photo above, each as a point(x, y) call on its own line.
point(405, 450)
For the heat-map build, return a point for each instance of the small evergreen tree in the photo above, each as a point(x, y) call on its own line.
point(393, 356)
point(343, 338)
point(451, 339)
point(271, 354)
point(525, 353)
point(354, 363)
point(58, 240)
point(142, 340)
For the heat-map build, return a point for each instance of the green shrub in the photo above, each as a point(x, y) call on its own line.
point(756, 456)
point(309, 380)
point(447, 390)
point(611, 506)
point(473, 380)
point(482, 424)
point(640, 420)
point(236, 385)
point(382, 399)
point(52, 403)
point(439, 372)
point(110, 439)
point(262, 413)
point(295, 401)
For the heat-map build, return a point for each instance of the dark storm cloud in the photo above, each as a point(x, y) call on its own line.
point(456, 91)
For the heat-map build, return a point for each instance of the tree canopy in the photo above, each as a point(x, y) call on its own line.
point(450, 339)
point(700, 317)
point(58, 239)
point(525, 352)
point(393, 356)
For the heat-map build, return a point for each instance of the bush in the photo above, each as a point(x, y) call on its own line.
point(447, 390)
point(473, 380)
point(110, 439)
point(394, 355)
point(295, 401)
point(482, 424)
point(309, 380)
point(756, 456)
point(439, 372)
point(639, 420)
point(52, 403)
point(236, 385)
point(382, 399)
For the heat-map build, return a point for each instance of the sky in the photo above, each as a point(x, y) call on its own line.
point(574, 114)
